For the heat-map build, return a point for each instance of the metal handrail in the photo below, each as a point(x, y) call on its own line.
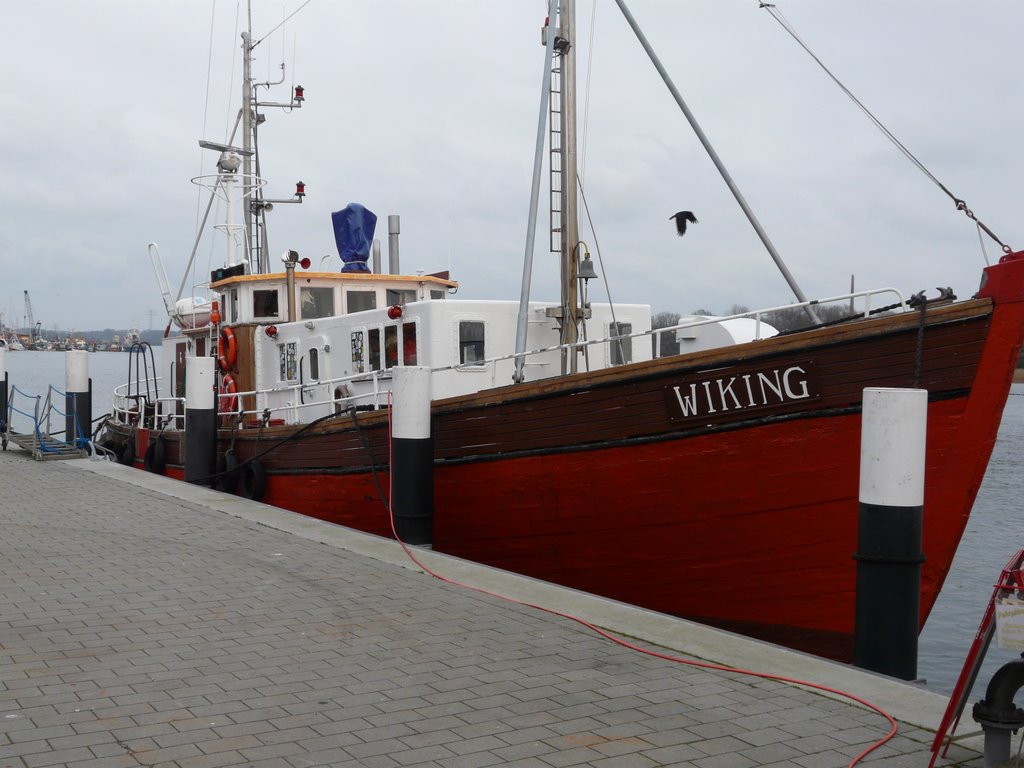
point(166, 408)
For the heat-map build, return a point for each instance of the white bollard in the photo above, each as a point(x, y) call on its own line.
point(200, 419)
point(412, 463)
point(3, 390)
point(889, 530)
point(77, 398)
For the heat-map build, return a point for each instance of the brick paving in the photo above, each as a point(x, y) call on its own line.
point(139, 628)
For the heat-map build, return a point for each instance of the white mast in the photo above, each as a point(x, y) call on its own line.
point(570, 221)
point(255, 265)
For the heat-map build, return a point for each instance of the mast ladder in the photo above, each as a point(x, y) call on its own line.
point(555, 150)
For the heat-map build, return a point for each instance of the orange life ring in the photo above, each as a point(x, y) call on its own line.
point(227, 350)
point(228, 397)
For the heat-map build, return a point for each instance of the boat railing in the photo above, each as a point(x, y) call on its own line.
point(286, 402)
point(341, 400)
point(899, 304)
point(169, 412)
point(41, 441)
point(868, 299)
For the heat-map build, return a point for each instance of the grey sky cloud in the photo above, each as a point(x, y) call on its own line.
point(428, 110)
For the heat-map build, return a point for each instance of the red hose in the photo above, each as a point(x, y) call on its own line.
point(625, 643)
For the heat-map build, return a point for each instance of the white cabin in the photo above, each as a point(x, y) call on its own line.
point(350, 329)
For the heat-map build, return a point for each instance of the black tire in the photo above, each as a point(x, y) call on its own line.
point(227, 467)
point(155, 460)
point(126, 455)
point(254, 480)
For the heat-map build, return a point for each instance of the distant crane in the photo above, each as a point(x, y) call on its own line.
point(30, 322)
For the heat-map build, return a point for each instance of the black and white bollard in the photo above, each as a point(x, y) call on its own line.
point(412, 461)
point(3, 389)
point(889, 528)
point(200, 419)
point(77, 397)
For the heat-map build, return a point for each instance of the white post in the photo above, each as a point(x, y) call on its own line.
point(890, 521)
point(3, 391)
point(77, 398)
point(200, 419)
point(412, 465)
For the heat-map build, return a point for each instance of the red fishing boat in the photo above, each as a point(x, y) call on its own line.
point(717, 483)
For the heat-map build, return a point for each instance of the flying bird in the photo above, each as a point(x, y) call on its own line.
point(681, 218)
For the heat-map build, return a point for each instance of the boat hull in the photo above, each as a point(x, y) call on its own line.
point(721, 486)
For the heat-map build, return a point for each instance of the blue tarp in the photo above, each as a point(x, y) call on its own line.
point(353, 234)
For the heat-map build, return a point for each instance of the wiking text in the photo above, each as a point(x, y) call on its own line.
point(742, 391)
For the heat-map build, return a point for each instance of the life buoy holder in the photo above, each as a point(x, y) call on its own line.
point(228, 401)
point(227, 350)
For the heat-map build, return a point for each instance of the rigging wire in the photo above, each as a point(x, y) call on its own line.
point(981, 242)
point(604, 270)
point(586, 90)
point(283, 21)
point(961, 205)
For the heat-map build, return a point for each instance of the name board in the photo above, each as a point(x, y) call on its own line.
point(727, 393)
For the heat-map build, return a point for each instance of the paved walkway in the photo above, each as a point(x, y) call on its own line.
point(145, 622)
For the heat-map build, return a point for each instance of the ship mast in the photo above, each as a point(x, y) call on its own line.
point(564, 196)
point(570, 219)
point(256, 266)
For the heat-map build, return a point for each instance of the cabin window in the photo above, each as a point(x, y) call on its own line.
point(391, 346)
point(359, 301)
point(264, 303)
point(358, 353)
point(316, 302)
point(374, 337)
point(314, 364)
point(233, 305)
point(471, 342)
point(409, 344)
point(621, 349)
point(400, 297)
point(288, 355)
point(435, 295)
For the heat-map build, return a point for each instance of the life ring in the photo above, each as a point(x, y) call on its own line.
point(253, 479)
point(228, 402)
point(155, 460)
point(227, 350)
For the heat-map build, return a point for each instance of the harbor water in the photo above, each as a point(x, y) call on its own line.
point(993, 534)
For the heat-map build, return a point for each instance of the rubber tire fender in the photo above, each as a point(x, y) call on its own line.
point(253, 480)
point(227, 467)
point(155, 460)
point(126, 454)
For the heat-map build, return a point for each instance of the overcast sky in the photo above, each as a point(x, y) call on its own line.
point(428, 109)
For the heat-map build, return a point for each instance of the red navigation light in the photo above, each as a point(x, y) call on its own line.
point(300, 189)
point(271, 331)
point(304, 263)
point(394, 312)
point(300, 93)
